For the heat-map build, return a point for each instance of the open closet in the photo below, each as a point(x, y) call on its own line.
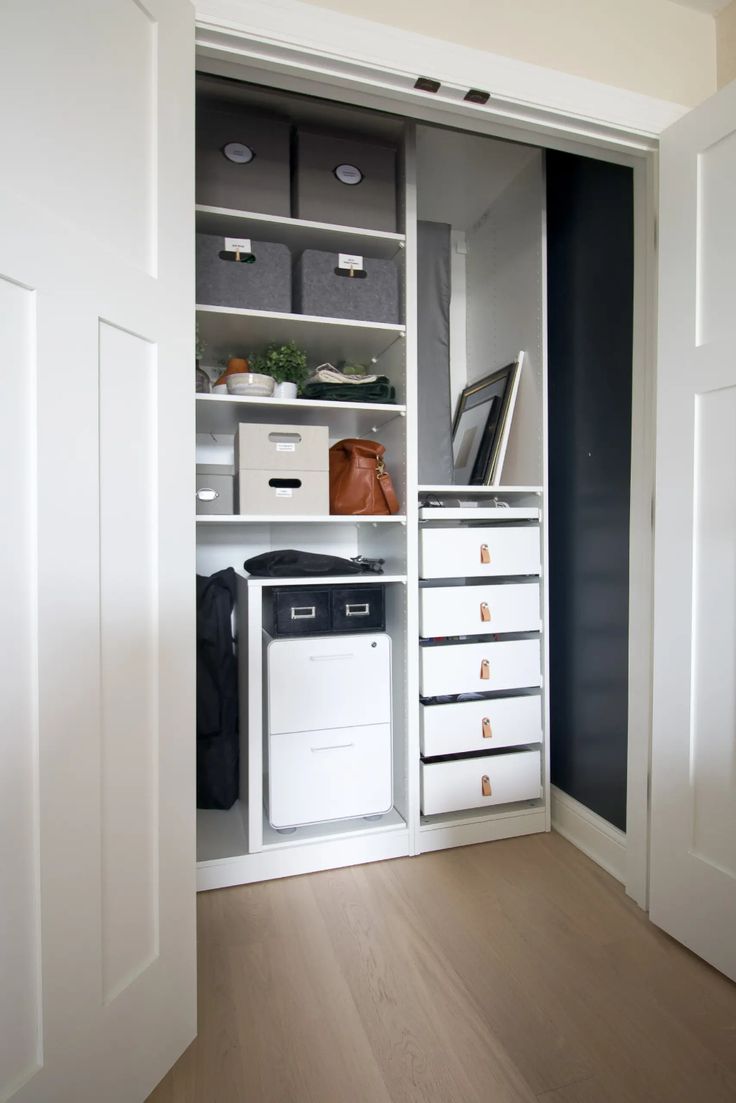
point(384, 714)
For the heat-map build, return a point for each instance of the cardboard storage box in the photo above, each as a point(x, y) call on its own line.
point(323, 286)
point(215, 488)
point(282, 448)
point(280, 493)
point(243, 160)
point(348, 181)
point(260, 284)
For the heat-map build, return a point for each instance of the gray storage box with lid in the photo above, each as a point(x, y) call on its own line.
point(347, 181)
point(215, 483)
point(321, 287)
point(263, 283)
point(243, 160)
point(282, 469)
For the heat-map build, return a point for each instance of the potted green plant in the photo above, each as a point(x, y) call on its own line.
point(288, 366)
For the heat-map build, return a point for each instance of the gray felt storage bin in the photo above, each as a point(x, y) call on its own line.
point(322, 288)
point(243, 159)
point(264, 284)
point(215, 485)
point(347, 181)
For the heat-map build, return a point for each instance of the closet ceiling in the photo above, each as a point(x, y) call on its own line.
point(461, 174)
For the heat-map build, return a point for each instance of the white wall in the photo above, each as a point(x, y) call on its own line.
point(726, 44)
point(654, 47)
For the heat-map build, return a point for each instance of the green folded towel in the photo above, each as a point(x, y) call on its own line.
point(380, 390)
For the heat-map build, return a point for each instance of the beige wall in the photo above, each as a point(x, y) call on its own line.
point(655, 47)
point(726, 44)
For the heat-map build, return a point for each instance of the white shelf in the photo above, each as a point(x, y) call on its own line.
point(221, 834)
point(461, 491)
point(220, 413)
point(298, 233)
point(227, 331)
point(331, 580)
point(481, 815)
point(299, 519)
point(494, 513)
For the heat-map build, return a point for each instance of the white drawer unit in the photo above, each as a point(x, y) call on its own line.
point(480, 725)
point(339, 773)
point(329, 682)
point(479, 667)
point(477, 782)
point(478, 552)
point(478, 610)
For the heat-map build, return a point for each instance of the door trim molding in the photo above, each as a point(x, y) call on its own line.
point(301, 48)
point(589, 832)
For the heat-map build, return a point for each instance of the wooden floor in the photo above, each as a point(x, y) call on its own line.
point(511, 971)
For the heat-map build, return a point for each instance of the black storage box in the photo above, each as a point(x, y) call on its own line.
point(323, 610)
point(323, 288)
point(345, 181)
point(299, 612)
point(243, 159)
point(358, 608)
point(259, 280)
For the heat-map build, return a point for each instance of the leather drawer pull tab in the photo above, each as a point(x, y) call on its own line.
point(485, 612)
point(485, 785)
point(485, 553)
point(485, 670)
point(487, 730)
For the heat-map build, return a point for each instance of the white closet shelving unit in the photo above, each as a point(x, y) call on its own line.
point(239, 846)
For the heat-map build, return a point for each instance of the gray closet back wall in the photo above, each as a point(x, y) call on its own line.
point(590, 278)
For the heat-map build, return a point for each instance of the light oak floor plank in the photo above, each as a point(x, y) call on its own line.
point(516, 971)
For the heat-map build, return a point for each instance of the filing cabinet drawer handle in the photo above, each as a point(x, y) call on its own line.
point(485, 612)
point(485, 786)
point(333, 747)
point(487, 730)
point(303, 612)
point(358, 610)
point(485, 670)
point(485, 553)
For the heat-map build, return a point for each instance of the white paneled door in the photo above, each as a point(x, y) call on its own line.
point(97, 921)
point(693, 852)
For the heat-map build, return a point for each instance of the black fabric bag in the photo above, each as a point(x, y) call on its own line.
point(218, 750)
point(288, 563)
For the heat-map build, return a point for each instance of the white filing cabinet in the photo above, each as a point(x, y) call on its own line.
point(329, 728)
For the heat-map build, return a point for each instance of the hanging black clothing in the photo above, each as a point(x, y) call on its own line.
point(217, 692)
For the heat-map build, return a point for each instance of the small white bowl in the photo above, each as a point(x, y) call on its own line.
point(250, 384)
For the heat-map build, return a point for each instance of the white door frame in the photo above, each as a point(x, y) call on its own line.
point(300, 48)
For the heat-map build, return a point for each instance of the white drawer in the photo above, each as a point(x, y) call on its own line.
point(479, 667)
point(328, 682)
point(329, 775)
point(480, 725)
point(476, 782)
point(479, 552)
point(476, 610)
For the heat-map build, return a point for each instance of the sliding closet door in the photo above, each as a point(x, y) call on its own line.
point(97, 925)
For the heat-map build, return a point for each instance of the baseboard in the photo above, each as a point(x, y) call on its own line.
point(597, 838)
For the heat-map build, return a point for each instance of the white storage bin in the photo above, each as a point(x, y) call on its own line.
point(282, 448)
point(478, 610)
point(333, 774)
point(487, 551)
point(479, 782)
point(329, 682)
point(284, 493)
point(480, 725)
point(479, 667)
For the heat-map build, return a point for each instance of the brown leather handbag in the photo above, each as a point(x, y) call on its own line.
point(359, 482)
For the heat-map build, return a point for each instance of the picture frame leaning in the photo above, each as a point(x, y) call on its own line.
point(482, 424)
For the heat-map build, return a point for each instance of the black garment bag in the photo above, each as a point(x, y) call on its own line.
point(217, 692)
